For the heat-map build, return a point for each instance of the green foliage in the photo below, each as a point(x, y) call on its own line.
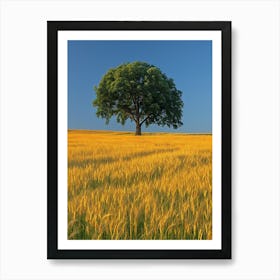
point(140, 92)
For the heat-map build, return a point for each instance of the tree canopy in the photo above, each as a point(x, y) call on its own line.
point(140, 92)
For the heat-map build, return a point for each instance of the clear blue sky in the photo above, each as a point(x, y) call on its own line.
point(188, 63)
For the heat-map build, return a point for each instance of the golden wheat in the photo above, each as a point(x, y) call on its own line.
point(154, 186)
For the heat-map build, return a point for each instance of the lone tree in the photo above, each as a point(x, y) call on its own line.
point(140, 92)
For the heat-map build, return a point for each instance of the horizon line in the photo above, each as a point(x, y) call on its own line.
point(131, 131)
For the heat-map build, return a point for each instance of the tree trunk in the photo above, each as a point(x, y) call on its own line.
point(138, 129)
point(137, 121)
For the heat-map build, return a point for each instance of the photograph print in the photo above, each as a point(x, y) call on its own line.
point(139, 142)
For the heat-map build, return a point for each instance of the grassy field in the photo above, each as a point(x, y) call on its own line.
point(154, 186)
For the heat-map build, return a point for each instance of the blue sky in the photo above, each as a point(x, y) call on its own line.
point(188, 63)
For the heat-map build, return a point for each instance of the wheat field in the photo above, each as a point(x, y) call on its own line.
point(154, 186)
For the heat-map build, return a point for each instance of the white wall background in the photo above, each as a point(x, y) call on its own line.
point(255, 150)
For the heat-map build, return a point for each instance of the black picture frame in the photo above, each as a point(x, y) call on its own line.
point(52, 192)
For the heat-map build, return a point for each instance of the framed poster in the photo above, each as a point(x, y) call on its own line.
point(139, 140)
